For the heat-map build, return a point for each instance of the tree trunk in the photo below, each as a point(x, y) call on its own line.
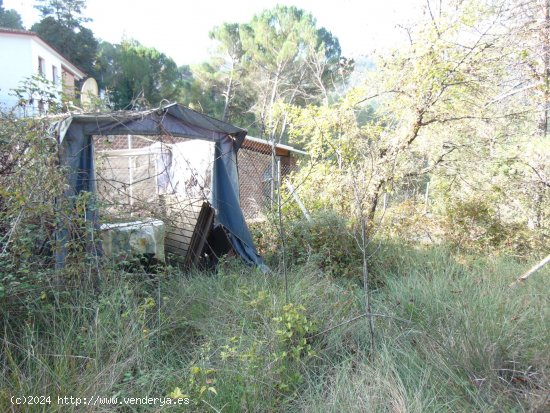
point(545, 42)
point(373, 204)
point(228, 93)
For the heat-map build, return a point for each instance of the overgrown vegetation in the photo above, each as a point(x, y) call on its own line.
point(427, 189)
point(451, 336)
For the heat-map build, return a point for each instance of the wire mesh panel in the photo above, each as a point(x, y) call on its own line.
point(127, 182)
point(140, 177)
point(259, 175)
point(180, 215)
point(254, 182)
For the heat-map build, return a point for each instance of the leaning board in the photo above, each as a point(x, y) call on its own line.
point(200, 235)
point(180, 214)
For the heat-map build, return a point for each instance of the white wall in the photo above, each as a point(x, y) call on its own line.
point(19, 61)
point(50, 58)
point(15, 64)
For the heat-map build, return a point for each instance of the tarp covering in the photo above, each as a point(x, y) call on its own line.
point(191, 175)
point(75, 137)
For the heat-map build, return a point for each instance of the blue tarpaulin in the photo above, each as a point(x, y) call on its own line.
point(75, 138)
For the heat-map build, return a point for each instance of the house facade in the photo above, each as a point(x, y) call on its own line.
point(28, 62)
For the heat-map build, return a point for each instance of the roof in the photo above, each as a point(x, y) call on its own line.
point(172, 119)
point(264, 146)
point(79, 73)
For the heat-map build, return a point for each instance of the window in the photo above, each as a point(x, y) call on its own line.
point(55, 75)
point(41, 66)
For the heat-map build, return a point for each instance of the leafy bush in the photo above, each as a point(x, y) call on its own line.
point(29, 182)
point(327, 243)
point(475, 225)
point(408, 222)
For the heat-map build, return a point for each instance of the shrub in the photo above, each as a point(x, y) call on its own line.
point(474, 225)
point(29, 182)
point(327, 242)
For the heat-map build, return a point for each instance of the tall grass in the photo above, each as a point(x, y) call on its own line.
point(471, 343)
point(453, 337)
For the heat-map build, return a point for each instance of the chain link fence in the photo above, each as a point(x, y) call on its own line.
point(260, 170)
point(131, 173)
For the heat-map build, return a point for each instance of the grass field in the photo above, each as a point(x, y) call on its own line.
point(449, 336)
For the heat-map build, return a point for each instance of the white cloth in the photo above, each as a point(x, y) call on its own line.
point(191, 169)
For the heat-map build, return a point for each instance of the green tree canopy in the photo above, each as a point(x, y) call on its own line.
point(291, 55)
point(61, 26)
point(137, 76)
point(279, 56)
point(10, 19)
point(222, 82)
point(68, 12)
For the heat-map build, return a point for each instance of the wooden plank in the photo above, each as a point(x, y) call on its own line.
point(180, 231)
point(180, 249)
point(264, 148)
point(184, 204)
point(531, 271)
point(181, 215)
point(180, 198)
point(183, 218)
point(200, 234)
point(175, 203)
point(175, 229)
point(177, 225)
point(177, 258)
point(177, 252)
point(182, 223)
point(179, 237)
point(183, 240)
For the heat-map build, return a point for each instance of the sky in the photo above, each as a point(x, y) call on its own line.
point(179, 28)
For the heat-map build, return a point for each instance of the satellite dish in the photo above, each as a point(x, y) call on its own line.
point(88, 93)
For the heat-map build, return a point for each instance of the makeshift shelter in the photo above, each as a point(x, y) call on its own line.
point(132, 159)
point(261, 173)
point(76, 135)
